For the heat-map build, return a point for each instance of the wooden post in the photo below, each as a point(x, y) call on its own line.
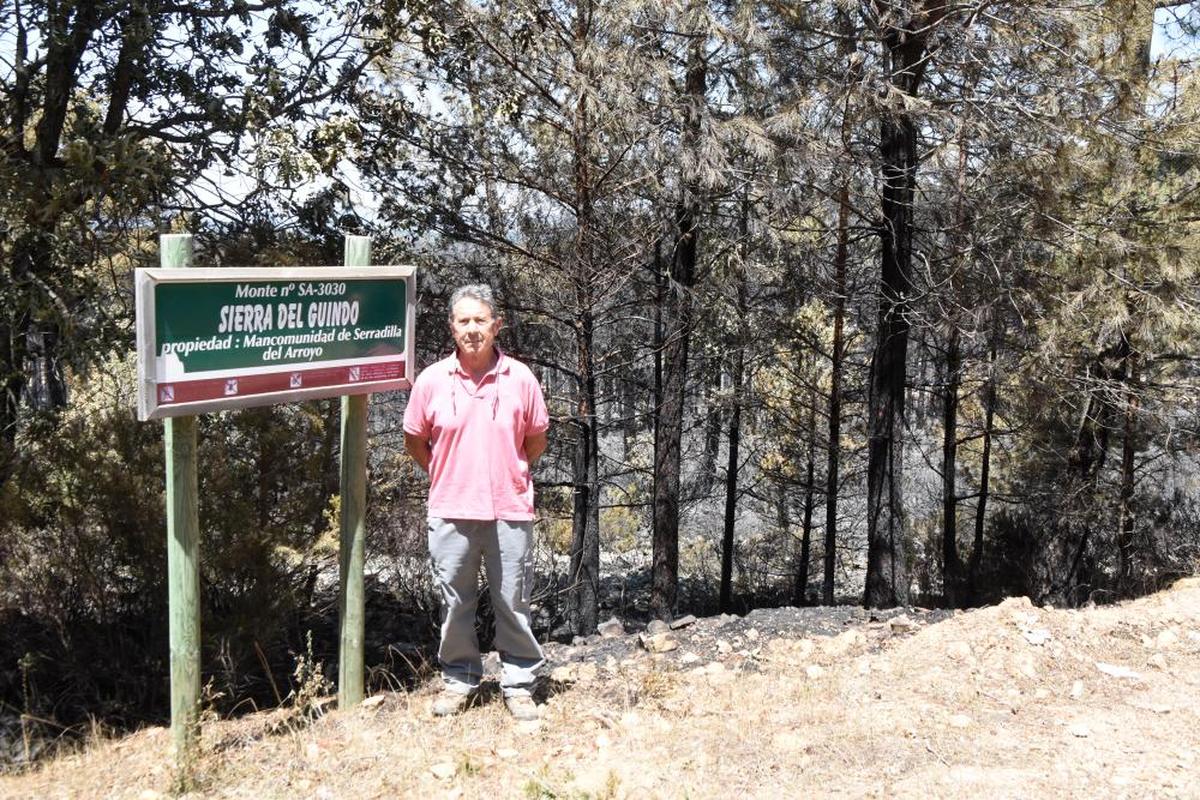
point(351, 603)
point(183, 551)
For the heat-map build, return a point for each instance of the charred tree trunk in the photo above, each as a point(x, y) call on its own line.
point(731, 485)
point(887, 582)
point(800, 590)
point(737, 349)
point(951, 566)
point(835, 394)
point(841, 255)
point(667, 452)
point(585, 524)
point(989, 414)
point(668, 442)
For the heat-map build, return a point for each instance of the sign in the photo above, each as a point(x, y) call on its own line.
point(212, 339)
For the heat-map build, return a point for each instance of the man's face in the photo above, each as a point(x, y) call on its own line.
point(473, 326)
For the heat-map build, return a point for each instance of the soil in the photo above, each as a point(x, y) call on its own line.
point(1005, 701)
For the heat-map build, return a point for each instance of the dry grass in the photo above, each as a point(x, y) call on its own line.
point(1008, 701)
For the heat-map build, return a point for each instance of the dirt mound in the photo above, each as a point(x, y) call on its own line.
point(1006, 701)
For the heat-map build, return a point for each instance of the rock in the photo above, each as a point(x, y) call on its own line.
point(1166, 639)
point(752, 635)
point(1080, 730)
point(1076, 690)
point(843, 643)
point(443, 770)
point(689, 658)
point(658, 642)
point(959, 651)
point(507, 753)
point(1041, 693)
point(657, 626)
point(902, 624)
point(1015, 603)
point(724, 647)
point(960, 721)
point(611, 628)
point(814, 671)
point(1118, 671)
point(491, 664)
point(1037, 638)
point(683, 622)
point(373, 701)
point(1158, 661)
point(564, 674)
point(587, 671)
point(150, 794)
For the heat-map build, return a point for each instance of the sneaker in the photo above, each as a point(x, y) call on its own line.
point(449, 702)
point(522, 708)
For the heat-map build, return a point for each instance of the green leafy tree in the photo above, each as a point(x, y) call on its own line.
point(119, 116)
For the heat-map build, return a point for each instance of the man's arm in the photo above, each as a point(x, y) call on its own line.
point(535, 445)
point(421, 452)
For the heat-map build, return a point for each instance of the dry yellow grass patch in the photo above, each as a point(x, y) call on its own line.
point(1008, 701)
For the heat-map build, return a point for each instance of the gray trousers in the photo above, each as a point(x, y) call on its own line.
point(456, 548)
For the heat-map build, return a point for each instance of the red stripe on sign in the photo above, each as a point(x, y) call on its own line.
point(251, 385)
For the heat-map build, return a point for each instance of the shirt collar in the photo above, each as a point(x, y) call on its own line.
point(500, 368)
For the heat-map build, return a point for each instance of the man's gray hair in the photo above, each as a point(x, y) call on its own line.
point(475, 291)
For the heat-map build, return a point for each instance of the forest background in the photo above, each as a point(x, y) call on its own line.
point(884, 302)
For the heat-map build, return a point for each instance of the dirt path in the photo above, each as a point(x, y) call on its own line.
point(1007, 701)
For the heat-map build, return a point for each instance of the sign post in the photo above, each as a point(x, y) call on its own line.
point(183, 550)
point(214, 339)
point(352, 529)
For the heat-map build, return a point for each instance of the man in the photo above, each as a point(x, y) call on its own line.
point(475, 422)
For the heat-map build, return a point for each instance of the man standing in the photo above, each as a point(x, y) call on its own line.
point(475, 422)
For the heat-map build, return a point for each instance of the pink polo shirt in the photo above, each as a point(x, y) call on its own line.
point(478, 469)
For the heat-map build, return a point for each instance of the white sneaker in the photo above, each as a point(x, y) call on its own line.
point(449, 702)
point(523, 708)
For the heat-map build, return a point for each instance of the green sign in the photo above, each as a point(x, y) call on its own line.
point(216, 338)
point(248, 324)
